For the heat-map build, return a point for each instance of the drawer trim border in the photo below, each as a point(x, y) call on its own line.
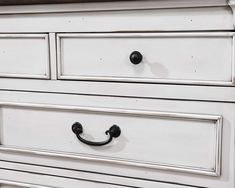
point(215, 171)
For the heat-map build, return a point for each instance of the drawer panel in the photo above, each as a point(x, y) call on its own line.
point(24, 179)
point(169, 141)
point(24, 55)
point(188, 58)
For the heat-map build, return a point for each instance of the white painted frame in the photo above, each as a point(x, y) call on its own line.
point(215, 171)
point(80, 175)
point(47, 68)
point(144, 35)
point(110, 6)
point(40, 179)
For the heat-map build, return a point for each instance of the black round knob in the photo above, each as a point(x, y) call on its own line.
point(136, 57)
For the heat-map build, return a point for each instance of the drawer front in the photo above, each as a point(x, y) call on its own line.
point(168, 141)
point(24, 55)
point(72, 184)
point(190, 58)
point(19, 179)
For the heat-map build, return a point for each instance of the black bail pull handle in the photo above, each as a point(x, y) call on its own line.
point(113, 132)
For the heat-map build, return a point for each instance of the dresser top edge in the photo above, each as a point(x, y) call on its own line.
point(12, 7)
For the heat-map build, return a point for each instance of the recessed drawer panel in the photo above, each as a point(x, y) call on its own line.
point(190, 58)
point(24, 55)
point(169, 141)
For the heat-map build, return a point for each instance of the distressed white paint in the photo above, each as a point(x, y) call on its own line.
point(192, 57)
point(160, 91)
point(81, 176)
point(188, 19)
point(65, 161)
point(39, 117)
point(160, 132)
point(24, 55)
point(53, 61)
point(232, 5)
point(45, 181)
point(105, 6)
point(11, 186)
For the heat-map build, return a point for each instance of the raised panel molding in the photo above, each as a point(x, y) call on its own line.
point(74, 63)
point(216, 120)
point(24, 55)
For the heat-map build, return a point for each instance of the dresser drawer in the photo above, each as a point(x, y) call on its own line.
point(169, 141)
point(73, 184)
point(90, 185)
point(17, 179)
point(23, 179)
point(190, 58)
point(183, 142)
point(24, 55)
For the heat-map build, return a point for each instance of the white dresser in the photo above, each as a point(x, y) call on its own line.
point(118, 94)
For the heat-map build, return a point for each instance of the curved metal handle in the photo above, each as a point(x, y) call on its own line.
point(113, 132)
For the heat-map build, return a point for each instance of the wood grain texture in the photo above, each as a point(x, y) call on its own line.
point(29, 2)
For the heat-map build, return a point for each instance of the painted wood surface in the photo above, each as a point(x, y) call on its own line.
point(85, 20)
point(47, 181)
point(28, 2)
point(115, 89)
point(24, 56)
point(193, 140)
point(104, 179)
point(199, 136)
point(193, 57)
point(50, 158)
point(111, 5)
point(10, 186)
